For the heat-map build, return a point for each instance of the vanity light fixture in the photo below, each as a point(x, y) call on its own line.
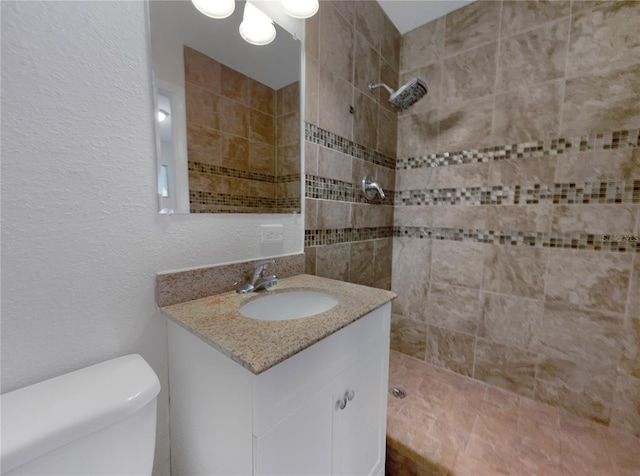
point(300, 8)
point(215, 8)
point(256, 27)
point(162, 115)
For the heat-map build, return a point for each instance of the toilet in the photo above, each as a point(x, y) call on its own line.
point(100, 420)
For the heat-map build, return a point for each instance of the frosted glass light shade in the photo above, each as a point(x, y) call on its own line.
point(300, 8)
point(215, 8)
point(256, 27)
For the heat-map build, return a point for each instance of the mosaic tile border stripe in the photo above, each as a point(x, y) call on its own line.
point(626, 139)
point(329, 189)
point(557, 193)
point(577, 240)
point(316, 135)
point(201, 198)
point(345, 235)
point(228, 172)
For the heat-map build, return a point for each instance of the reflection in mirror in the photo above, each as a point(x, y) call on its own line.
point(230, 136)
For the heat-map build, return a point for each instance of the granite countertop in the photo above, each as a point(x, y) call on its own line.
point(259, 345)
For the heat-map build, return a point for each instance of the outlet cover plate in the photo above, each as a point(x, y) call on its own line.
point(271, 233)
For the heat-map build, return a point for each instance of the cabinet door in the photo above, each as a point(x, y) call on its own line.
point(360, 428)
point(300, 444)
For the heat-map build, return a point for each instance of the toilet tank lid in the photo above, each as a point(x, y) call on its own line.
point(47, 415)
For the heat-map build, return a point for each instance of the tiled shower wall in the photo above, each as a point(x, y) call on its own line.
point(350, 132)
point(243, 145)
point(515, 256)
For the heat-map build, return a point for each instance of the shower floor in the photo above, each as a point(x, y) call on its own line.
point(452, 425)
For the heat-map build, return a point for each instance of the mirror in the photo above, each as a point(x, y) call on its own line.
point(228, 121)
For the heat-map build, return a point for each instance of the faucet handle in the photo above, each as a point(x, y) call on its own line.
point(258, 268)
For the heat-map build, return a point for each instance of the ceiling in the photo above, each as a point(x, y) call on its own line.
point(409, 14)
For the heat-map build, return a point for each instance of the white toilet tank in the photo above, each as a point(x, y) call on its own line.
point(100, 420)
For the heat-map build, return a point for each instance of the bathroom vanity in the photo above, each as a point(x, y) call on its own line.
point(300, 396)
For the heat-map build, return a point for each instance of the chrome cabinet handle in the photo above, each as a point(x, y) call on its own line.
point(348, 396)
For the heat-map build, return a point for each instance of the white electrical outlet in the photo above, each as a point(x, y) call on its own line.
point(271, 234)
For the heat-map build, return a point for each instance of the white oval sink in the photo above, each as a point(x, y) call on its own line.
point(288, 305)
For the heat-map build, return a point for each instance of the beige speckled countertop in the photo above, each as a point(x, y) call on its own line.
point(259, 345)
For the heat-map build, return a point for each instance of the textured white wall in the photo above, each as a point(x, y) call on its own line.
point(81, 237)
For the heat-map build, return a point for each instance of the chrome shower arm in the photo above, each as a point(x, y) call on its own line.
point(381, 85)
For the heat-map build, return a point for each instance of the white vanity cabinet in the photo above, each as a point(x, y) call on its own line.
point(320, 412)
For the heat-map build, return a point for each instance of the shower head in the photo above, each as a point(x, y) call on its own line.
point(406, 95)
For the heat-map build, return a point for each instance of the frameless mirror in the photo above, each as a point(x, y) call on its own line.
point(228, 121)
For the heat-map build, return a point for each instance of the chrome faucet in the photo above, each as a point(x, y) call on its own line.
point(258, 279)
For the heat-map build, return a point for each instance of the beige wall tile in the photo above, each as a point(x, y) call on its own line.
point(416, 179)
point(625, 414)
point(596, 219)
point(522, 171)
point(312, 36)
point(333, 164)
point(311, 214)
point(262, 97)
point(370, 22)
point(595, 280)
point(419, 133)
point(336, 35)
point(580, 389)
point(452, 350)
point(201, 70)
point(367, 66)
point(519, 15)
point(528, 113)
point(288, 126)
point(453, 307)
point(458, 263)
point(262, 127)
point(203, 144)
point(234, 85)
point(201, 106)
point(332, 261)
point(506, 367)
point(262, 158)
point(390, 77)
point(408, 336)
point(387, 132)
point(469, 75)
point(413, 215)
point(423, 45)
point(607, 165)
point(509, 320)
point(383, 263)
point(234, 151)
point(390, 43)
point(533, 57)
point(288, 99)
point(616, 22)
point(310, 260)
point(515, 270)
point(337, 96)
point(311, 90)
point(460, 216)
point(526, 218)
point(465, 125)
point(578, 6)
point(634, 297)
point(591, 338)
point(630, 360)
point(605, 99)
point(477, 23)
point(333, 215)
point(411, 285)
point(310, 158)
point(365, 121)
point(463, 175)
point(361, 263)
point(234, 117)
point(288, 159)
point(371, 216)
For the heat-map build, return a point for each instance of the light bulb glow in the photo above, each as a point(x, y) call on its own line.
point(300, 8)
point(162, 115)
point(256, 27)
point(215, 8)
